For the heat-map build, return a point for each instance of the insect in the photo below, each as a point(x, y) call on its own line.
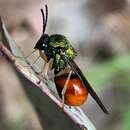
point(58, 54)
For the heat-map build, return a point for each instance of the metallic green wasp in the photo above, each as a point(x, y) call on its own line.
point(59, 55)
point(50, 48)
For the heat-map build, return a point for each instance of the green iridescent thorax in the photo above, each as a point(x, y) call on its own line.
point(56, 43)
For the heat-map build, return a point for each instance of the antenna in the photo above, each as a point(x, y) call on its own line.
point(45, 18)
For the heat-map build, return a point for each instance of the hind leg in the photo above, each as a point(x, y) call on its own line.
point(65, 88)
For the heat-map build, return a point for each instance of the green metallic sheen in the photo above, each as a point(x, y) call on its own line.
point(52, 47)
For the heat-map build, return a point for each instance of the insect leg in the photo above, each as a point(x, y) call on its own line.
point(26, 56)
point(44, 72)
point(33, 62)
point(30, 54)
point(65, 88)
point(66, 70)
point(47, 68)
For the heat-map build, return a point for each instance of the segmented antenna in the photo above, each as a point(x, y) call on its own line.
point(45, 18)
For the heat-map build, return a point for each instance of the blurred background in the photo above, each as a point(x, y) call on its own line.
point(99, 30)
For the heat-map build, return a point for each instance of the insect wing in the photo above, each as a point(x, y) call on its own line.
point(77, 70)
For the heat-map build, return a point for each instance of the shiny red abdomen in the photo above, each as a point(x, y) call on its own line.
point(76, 92)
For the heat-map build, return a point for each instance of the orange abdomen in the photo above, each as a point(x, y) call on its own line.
point(76, 92)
